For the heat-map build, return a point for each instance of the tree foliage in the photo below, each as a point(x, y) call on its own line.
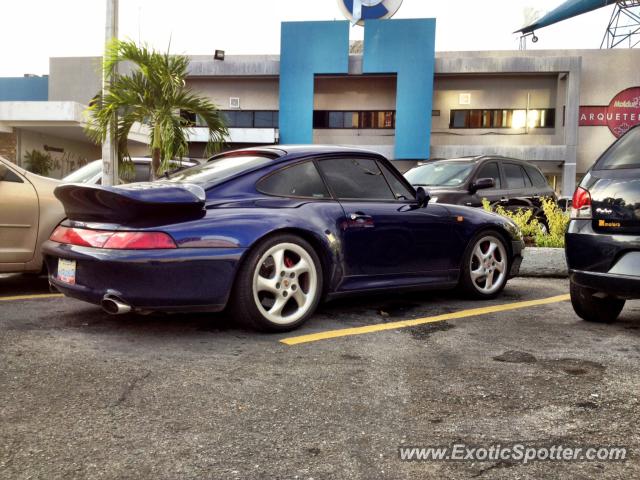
point(155, 94)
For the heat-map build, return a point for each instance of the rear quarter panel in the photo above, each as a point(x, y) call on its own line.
point(244, 224)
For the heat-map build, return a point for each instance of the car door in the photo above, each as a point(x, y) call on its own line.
point(18, 217)
point(496, 195)
point(520, 191)
point(385, 233)
point(541, 188)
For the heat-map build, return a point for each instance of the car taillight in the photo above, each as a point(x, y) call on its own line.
point(140, 241)
point(114, 240)
point(80, 236)
point(581, 204)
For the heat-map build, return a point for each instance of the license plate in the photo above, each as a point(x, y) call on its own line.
point(67, 271)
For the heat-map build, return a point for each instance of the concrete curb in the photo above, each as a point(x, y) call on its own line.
point(544, 262)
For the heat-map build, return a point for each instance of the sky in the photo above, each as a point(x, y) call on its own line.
point(34, 30)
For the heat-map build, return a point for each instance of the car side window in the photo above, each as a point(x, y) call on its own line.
point(400, 190)
point(536, 177)
point(300, 180)
point(356, 179)
point(490, 170)
point(514, 175)
point(7, 175)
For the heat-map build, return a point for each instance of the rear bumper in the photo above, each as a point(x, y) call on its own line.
point(162, 280)
point(622, 286)
point(604, 262)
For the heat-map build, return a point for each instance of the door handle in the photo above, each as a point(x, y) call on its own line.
point(360, 220)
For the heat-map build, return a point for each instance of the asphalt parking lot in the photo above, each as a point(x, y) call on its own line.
point(86, 395)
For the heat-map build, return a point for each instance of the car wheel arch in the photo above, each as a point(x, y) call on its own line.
point(320, 247)
point(504, 234)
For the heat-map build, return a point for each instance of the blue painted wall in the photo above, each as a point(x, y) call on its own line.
point(405, 47)
point(307, 49)
point(24, 88)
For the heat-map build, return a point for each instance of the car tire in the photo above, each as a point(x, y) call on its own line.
point(279, 284)
point(594, 309)
point(485, 266)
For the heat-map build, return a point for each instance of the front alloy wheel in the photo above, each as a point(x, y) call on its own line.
point(486, 266)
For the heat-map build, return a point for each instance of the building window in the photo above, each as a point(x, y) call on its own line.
point(239, 118)
point(372, 119)
point(503, 118)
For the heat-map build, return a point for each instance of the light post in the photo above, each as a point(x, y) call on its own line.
point(110, 145)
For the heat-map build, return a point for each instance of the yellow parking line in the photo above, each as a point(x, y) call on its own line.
point(31, 297)
point(346, 332)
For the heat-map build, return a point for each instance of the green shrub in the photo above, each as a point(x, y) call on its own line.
point(521, 217)
point(40, 163)
point(557, 221)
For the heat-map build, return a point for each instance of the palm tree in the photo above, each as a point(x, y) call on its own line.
point(154, 94)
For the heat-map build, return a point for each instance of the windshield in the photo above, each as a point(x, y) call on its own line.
point(622, 154)
point(84, 174)
point(441, 174)
point(219, 169)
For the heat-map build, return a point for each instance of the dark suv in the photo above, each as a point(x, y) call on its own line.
point(511, 183)
point(603, 238)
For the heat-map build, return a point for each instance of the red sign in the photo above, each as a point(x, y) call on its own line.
point(622, 113)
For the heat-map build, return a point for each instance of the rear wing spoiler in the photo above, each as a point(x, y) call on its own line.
point(136, 201)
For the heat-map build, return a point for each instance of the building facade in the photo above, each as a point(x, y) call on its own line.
point(556, 109)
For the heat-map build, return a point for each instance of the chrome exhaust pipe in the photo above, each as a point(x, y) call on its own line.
point(114, 306)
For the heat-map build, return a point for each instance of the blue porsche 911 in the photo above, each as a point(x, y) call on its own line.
point(269, 233)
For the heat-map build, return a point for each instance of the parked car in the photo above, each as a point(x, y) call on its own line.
point(91, 173)
point(29, 212)
point(270, 232)
point(564, 203)
point(603, 237)
point(511, 183)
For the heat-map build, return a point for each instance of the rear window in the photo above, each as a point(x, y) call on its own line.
point(86, 173)
point(625, 153)
point(301, 180)
point(515, 175)
point(536, 177)
point(219, 169)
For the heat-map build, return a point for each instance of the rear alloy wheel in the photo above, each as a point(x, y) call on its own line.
point(280, 284)
point(486, 266)
point(594, 309)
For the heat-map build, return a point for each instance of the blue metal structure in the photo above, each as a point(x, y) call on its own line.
point(24, 89)
point(407, 48)
point(307, 49)
point(569, 9)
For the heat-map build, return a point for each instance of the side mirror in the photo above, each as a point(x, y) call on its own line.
point(423, 197)
point(482, 184)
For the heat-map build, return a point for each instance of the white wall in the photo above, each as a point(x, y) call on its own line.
point(254, 93)
point(75, 153)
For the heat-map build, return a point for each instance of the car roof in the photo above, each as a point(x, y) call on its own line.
point(472, 159)
point(302, 150)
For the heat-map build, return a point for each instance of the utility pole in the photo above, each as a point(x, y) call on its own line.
point(110, 145)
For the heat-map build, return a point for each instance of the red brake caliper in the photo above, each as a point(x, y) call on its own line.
point(288, 262)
